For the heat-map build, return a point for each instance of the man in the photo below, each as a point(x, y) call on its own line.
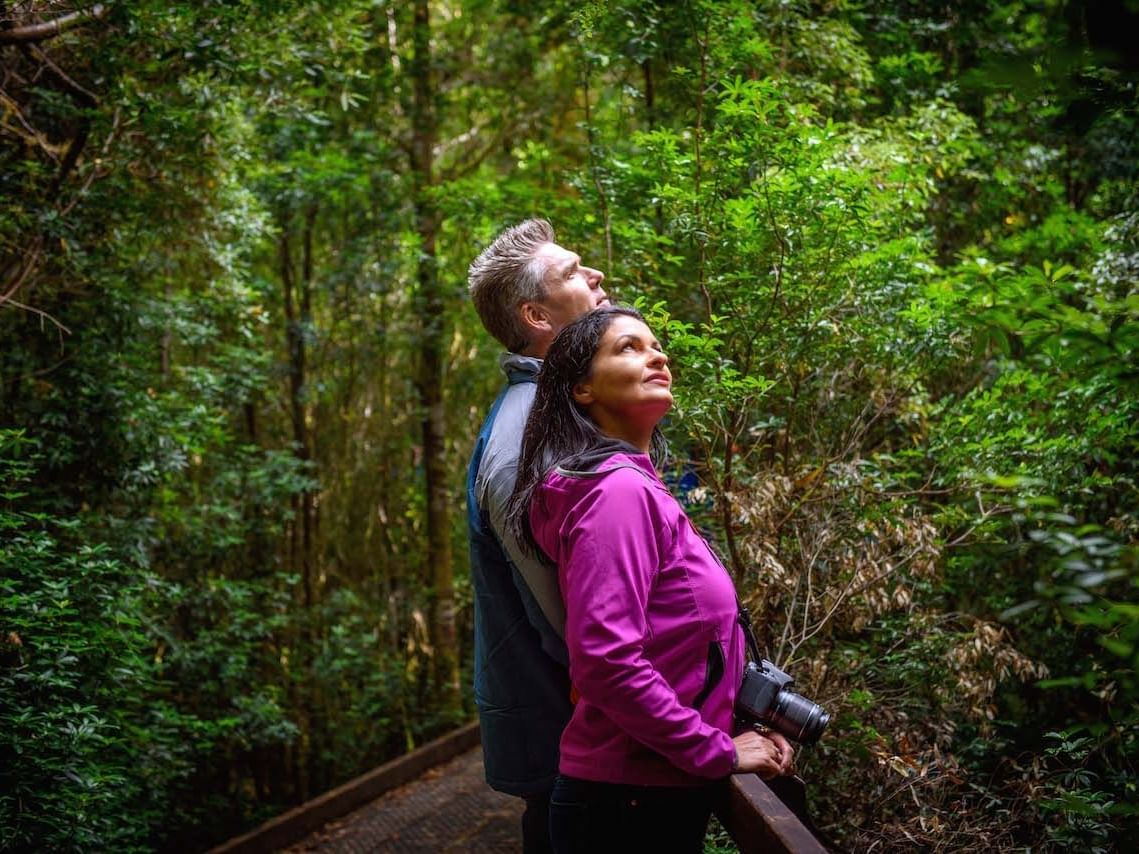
point(525, 288)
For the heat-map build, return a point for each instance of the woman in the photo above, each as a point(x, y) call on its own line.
point(656, 649)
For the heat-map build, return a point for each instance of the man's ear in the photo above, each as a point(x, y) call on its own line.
point(583, 393)
point(536, 317)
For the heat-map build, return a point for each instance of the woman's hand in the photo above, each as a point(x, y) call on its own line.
point(767, 755)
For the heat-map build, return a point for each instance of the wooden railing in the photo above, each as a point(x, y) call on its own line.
point(760, 823)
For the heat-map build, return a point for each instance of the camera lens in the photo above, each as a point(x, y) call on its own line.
point(798, 718)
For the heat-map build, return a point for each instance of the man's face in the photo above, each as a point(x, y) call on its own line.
point(572, 289)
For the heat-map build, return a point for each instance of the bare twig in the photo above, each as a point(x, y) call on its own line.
point(463, 166)
point(24, 268)
point(43, 315)
point(96, 172)
point(48, 370)
point(846, 594)
point(986, 514)
point(51, 29)
point(84, 94)
point(26, 132)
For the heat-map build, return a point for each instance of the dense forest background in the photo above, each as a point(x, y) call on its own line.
point(892, 250)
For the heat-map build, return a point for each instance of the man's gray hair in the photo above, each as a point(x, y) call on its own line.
point(505, 276)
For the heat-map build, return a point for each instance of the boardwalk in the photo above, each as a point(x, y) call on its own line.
point(446, 806)
point(450, 808)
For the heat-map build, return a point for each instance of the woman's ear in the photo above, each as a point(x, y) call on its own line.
point(583, 393)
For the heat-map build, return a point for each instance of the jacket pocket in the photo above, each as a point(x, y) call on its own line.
point(713, 673)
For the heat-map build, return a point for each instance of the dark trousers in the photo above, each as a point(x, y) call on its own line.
point(599, 817)
point(536, 824)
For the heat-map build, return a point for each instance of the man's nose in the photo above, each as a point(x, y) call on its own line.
point(594, 277)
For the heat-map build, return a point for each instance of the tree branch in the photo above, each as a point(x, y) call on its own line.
point(51, 29)
point(71, 158)
point(23, 267)
point(96, 172)
point(461, 167)
point(43, 316)
point(85, 96)
point(27, 133)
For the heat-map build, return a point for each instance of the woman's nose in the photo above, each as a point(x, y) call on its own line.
point(659, 357)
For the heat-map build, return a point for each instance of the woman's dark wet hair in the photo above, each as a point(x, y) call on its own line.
point(558, 428)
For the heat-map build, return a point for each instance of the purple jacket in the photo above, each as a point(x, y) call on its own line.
point(656, 650)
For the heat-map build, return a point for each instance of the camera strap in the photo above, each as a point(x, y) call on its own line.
point(744, 618)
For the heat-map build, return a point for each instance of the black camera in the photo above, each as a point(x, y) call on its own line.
point(764, 698)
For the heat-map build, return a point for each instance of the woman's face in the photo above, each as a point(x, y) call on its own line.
point(628, 389)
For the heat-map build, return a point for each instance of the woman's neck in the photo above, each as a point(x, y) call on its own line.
point(640, 439)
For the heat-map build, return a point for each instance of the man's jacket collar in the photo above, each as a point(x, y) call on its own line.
point(511, 362)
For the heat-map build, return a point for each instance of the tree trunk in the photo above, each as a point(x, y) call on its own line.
point(298, 315)
point(429, 308)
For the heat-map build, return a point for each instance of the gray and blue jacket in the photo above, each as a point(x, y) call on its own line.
point(522, 686)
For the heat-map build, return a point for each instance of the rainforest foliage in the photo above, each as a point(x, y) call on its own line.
point(891, 248)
